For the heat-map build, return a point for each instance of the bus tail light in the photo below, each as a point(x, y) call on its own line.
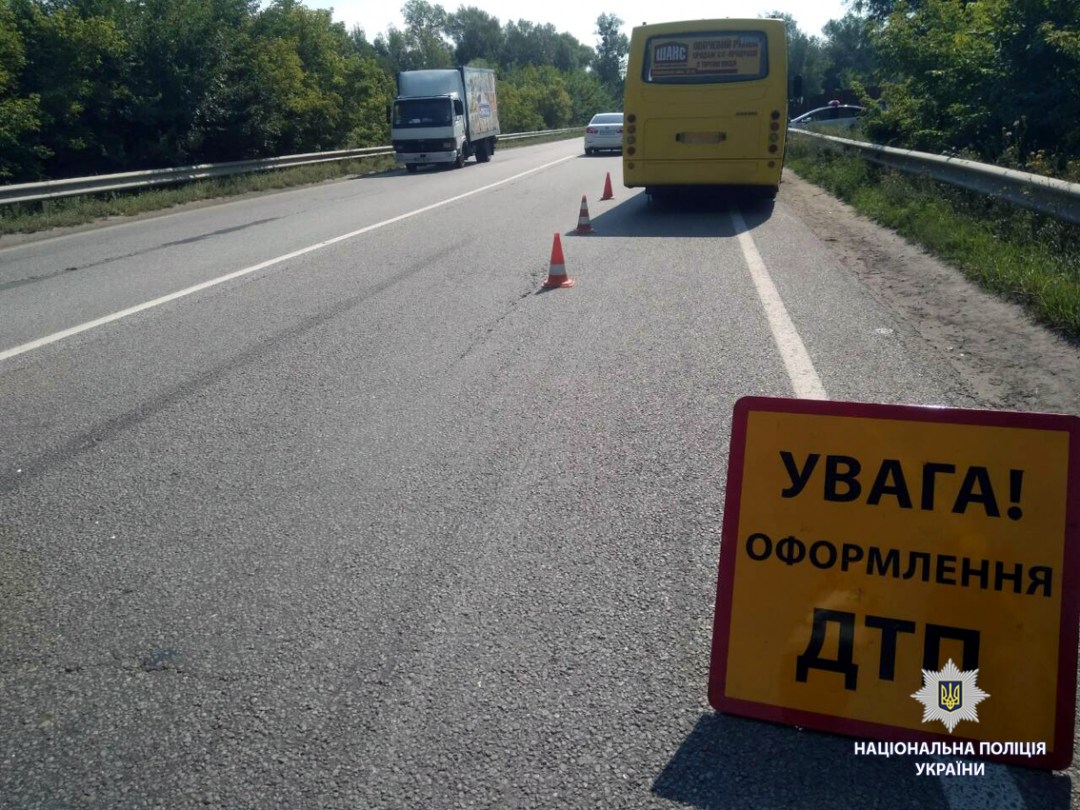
point(632, 128)
point(631, 139)
point(775, 115)
point(630, 150)
point(772, 147)
point(631, 118)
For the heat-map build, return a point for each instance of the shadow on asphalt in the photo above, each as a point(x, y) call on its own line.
point(732, 763)
point(686, 215)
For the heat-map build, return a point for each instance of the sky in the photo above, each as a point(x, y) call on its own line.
point(578, 17)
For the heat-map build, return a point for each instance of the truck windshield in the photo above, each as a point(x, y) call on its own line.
point(425, 112)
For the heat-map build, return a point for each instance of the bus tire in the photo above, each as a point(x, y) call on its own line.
point(410, 168)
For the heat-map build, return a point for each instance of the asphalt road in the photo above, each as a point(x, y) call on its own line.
point(380, 524)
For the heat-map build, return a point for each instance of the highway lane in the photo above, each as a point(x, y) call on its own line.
point(380, 525)
point(51, 286)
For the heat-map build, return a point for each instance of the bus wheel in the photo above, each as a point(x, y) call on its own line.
point(410, 168)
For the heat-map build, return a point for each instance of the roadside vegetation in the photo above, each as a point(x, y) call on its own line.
point(102, 86)
point(997, 81)
point(1022, 255)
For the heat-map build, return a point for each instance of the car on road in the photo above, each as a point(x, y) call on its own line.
point(604, 132)
point(832, 117)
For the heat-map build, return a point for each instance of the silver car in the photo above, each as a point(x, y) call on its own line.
point(604, 132)
point(833, 117)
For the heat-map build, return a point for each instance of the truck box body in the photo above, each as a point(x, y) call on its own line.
point(483, 112)
point(444, 116)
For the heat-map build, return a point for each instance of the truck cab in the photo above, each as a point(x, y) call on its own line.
point(429, 129)
point(444, 116)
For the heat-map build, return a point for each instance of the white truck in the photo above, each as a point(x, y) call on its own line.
point(444, 116)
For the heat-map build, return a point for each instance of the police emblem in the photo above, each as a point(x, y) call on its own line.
point(950, 695)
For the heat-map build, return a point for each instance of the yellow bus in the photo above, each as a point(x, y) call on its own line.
point(706, 105)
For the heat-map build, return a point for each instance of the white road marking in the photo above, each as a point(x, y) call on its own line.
point(997, 788)
point(800, 369)
point(84, 327)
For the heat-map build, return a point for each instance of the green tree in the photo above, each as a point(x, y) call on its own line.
point(475, 34)
point(392, 51)
point(424, 26)
point(588, 97)
point(850, 55)
point(880, 10)
point(526, 43)
point(538, 99)
point(942, 71)
point(1038, 98)
point(295, 83)
point(611, 51)
point(572, 55)
point(360, 43)
point(20, 116)
point(516, 112)
point(179, 52)
point(73, 66)
point(806, 55)
point(371, 91)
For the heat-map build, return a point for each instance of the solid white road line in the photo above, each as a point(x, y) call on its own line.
point(804, 378)
point(997, 788)
point(84, 327)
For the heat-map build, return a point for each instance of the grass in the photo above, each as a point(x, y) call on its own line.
point(71, 211)
point(1022, 255)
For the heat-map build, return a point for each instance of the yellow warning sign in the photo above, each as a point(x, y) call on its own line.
point(897, 572)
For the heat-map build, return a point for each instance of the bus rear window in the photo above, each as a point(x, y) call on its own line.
point(706, 57)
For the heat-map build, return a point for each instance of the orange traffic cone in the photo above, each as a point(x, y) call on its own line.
point(557, 273)
point(607, 188)
point(583, 224)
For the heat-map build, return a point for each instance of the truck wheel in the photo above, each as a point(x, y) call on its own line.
point(459, 161)
point(410, 168)
point(483, 152)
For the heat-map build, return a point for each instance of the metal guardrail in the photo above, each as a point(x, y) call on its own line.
point(1058, 198)
point(55, 189)
point(539, 133)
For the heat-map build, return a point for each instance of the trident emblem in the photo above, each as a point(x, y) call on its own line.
point(950, 695)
